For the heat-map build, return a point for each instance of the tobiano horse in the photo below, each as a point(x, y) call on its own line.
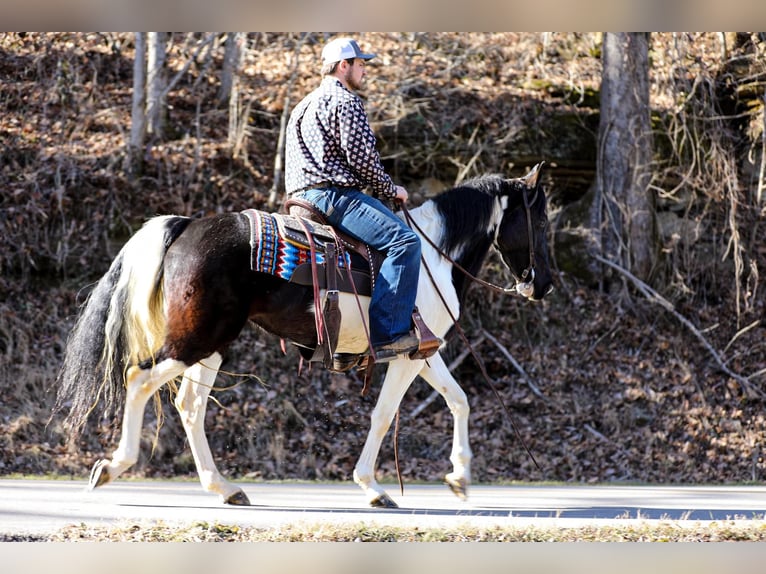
point(181, 289)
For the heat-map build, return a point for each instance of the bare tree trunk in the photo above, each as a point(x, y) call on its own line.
point(623, 211)
point(233, 60)
point(156, 82)
point(138, 112)
point(278, 168)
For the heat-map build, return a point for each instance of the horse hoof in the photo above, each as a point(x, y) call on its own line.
point(459, 487)
point(383, 501)
point(238, 499)
point(99, 475)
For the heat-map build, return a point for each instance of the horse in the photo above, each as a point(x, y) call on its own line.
point(181, 289)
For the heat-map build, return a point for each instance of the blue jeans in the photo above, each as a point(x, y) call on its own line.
point(369, 220)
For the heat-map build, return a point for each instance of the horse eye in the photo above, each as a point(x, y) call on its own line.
point(543, 223)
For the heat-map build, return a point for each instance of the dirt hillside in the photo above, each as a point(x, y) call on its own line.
point(616, 387)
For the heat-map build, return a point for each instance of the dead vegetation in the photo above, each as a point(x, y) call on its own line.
point(603, 386)
point(723, 531)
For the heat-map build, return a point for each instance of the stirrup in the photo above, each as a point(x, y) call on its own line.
point(429, 343)
point(342, 362)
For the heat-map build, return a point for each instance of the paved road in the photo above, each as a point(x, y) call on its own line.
point(41, 506)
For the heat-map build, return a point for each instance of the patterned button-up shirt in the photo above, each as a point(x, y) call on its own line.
point(330, 142)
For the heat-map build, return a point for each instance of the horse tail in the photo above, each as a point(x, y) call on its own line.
point(121, 324)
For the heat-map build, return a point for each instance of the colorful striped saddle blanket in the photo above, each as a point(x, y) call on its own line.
point(279, 246)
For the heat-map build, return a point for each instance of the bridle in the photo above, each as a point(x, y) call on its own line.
point(523, 286)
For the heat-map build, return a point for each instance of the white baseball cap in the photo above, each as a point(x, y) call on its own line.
point(343, 49)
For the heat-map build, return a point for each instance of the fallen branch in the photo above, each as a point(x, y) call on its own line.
point(741, 332)
point(653, 297)
point(517, 366)
point(597, 434)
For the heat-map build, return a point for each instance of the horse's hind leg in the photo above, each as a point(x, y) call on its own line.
point(191, 403)
point(141, 385)
point(438, 376)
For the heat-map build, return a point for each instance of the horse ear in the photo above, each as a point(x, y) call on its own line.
point(530, 180)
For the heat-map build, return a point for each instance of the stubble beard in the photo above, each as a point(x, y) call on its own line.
point(353, 84)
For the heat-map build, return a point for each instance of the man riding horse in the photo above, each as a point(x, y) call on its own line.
point(330, 158)
point(181, 290)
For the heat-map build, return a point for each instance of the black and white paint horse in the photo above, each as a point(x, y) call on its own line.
point(181, 290)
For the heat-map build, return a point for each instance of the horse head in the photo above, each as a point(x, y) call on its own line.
point(522, 235)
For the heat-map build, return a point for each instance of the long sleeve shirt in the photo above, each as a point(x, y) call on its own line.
point(330, 142)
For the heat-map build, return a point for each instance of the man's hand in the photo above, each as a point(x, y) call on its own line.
point(401, 193)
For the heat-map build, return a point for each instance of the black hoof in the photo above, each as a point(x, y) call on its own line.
point(238, 499)
point(458, 487)
point(383, 501)
point(99, 475)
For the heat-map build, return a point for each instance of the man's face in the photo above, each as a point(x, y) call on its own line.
point(355, 73)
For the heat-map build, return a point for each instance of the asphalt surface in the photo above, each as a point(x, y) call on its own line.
point(44, 506)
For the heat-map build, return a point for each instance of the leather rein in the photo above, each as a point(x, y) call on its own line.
point(505, 290)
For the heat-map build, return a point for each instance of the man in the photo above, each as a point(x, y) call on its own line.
point(330, 159)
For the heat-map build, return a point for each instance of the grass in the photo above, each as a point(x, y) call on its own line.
point(660, 531)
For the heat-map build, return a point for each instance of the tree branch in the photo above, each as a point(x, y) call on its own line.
point(654, 297)
point(516, 365)
point(172, 83)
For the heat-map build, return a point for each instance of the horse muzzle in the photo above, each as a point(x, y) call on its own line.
point(527, 288)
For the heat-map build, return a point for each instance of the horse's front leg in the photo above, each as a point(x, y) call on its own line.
point(398, 379)
point(191, 403)
point(438, 376)
point(141, 385)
